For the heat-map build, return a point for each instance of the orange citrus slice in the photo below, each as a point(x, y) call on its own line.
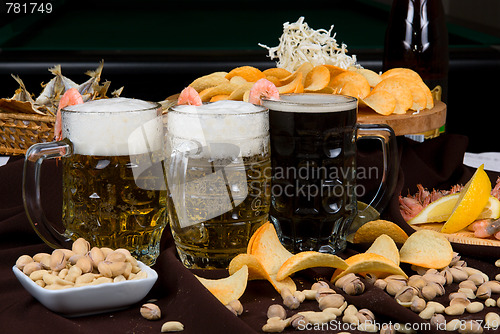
point(471, 202)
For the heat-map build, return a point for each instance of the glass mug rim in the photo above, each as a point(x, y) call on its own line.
point(185, 109)
point(320, 103)
point(74, 108)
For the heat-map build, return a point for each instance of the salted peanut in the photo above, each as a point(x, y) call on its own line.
point(492, 320)
point(438, 320)
point(37, 274)
point(493, 285)
point(128, 269)
point(380, 283)
point(50, 279)
point(299, 295)
point(438, 307)
point(125, 251)
point(85, 278)
point(150, 311)
point(471, 271)
point(140, 275)
point(273, 325)
point(236, 307)
point(474, 307)
point(80, 246)
point(62, 274)
point(337, 311)
point(468, 292)
point(45, 261)
point(40, 283)
point(427, 312)
point(453, 325)
point(387, 329)
point(119, 278)
point(56, 287)
point(459, 294)
point(310, 294)
point(470, 327)
point(462, 301)
point(490, 302)
point(106, 251)
point(367, 327)
point(497, 263)
point(31, 267)
point(101, 280)
point(497, 277)
point(38, 256)
point(73, 273)
point(74, 258)
point(95, 255)
point(455, 309)
point(22, 261)
point(67, 253)
point(289, 300)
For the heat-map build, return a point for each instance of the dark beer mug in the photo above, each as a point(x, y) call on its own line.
point(313, 155)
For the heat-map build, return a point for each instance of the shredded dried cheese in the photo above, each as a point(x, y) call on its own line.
point(300, 43)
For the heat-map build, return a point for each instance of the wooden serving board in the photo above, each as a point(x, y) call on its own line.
point(409, 123)
point(461, 237)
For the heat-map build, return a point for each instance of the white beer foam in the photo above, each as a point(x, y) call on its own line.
point(115, 126)
point(317, 103)
point(232, 122)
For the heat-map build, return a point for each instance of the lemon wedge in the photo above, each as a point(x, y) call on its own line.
point(441, 209)
point(471, 202)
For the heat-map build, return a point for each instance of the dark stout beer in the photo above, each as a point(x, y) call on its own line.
point(313, 170)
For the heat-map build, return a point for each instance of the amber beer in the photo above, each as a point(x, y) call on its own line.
point(114, 191)
point(313, 170)
point(218, 180)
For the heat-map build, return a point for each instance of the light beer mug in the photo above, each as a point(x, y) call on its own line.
point(314, 190)
point(218, 179)
point(114, 185)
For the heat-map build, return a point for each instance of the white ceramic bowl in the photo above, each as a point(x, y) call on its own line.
point(91, 299)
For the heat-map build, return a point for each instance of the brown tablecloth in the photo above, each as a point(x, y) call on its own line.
point(435, 164)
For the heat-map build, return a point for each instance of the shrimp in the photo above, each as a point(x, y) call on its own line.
point(409, 207)
point(69, 98)
point(479, 228)
point(263, 88)
point(189, 96)
point(496, 190)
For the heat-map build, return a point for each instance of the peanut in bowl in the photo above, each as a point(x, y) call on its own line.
point(90, 299)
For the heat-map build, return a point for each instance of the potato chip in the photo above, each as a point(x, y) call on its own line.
point(302, 70)
point(401, 93)
point(276, 81)
point(350, 83)
point(400, 71)
point(326, 90)
point(209, 80)
point(276, 72)
point(229, 288)
point(249, 73)
point(255, 269)
point(223, 89)
point(418, 92)
point(428, 249)
point(371, 230)
point(292, 86)
point(267, 248)
point(364, 263)
point(309, 259)
point(334, 71)
point(381, 102)
point(372, 77)
point(385, 246)
point(238, 93)
point(317, 79)
point(238, 80)
point(219, 97)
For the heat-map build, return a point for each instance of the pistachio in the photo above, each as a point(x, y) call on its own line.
point(393, 286)
point(474, 307)
point(454, 259)
point(323, 292)
point(405, 295)
point(331, 301)
point(116, 256)
point(106, 251)
point(80, 246)
point(454, 295)
point(45, 261)
point(447, 276)
point(468, 284)
point(355, 287)
point(111, 269)
point(468, 292)
point(289, 300)
point(462, 301)
point(365, 315)
point(320, 284)
point(150, 311)
point(84, 264)
point(96, 255)
point(345, 280)
point(417, 281)
point(22, 261)
point(57, 260)
point(387, 329)
point(471, 271)
point(74, 258)
point(276, 310)
point(458, 274)
point(483, 292)
point(493, 285)
point(172, 326)
point(438, 320)
point(380, 283)
point(476, 278)
point(417, 304)
point(429, 292)
point(298, 320)
point(436, 278)
point(31, 267)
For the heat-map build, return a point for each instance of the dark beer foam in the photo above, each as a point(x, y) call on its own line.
point(311, 103)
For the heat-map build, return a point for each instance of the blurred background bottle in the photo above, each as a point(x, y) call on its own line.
point(417, 38)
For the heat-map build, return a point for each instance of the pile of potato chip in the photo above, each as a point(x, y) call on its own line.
point(393, 92)
point(266, 258)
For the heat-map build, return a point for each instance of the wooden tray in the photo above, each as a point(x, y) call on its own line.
point(409, 123)
point(461, 237)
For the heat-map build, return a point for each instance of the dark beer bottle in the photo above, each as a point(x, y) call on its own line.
point(417, 38)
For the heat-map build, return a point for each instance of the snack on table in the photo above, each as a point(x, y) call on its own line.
point(371, 230)
point(229, 288)
point(428, 249)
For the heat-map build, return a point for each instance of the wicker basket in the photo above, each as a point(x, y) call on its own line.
point(19, 131)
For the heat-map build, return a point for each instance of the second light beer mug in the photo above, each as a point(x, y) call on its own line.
point(218, 179)
point(114, 188)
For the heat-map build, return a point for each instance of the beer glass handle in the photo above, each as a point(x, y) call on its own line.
point(386, 136)
point(35, 155)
